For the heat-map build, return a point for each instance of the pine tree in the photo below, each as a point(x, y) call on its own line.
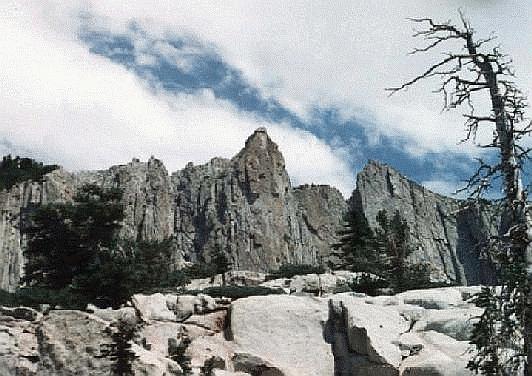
point(65, 239)
point(220, 264)
point(394, 246)
point(383, 252)
point(357, 244)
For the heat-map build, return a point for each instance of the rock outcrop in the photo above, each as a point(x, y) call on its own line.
point(245, 207)
point(420, 332)
point(447, 233)
point(15, 205)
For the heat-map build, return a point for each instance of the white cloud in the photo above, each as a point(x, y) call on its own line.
point(69, 106)
point(344, 54)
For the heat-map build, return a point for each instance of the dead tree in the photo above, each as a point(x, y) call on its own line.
point(479, 68)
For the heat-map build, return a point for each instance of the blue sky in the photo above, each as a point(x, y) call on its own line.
point(91, 84)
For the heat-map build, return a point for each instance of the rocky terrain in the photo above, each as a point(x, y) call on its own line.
point(247, 208)
point(420, 332)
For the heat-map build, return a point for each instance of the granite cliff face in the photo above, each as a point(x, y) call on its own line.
point(245, 207)
point(57, 186)
point(446, 232)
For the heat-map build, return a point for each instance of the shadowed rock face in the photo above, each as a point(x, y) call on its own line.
point(445, 233)
point(244, 206)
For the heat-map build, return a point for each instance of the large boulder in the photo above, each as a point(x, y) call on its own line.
point(155, 307)
point(75, 343)
point(422, 332)
point(440, 356)
point(374, 331)
point(283, 332)
point(19, 348)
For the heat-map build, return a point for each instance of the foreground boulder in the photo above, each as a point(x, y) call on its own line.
point(287, 333)
point(416, 333)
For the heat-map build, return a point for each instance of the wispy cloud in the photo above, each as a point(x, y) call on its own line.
point(99, 82)
point(69, 105)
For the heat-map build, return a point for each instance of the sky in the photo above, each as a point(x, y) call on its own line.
point(89, 84)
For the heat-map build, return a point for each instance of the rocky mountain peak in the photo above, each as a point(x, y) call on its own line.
point(260, 167)
point(440, 226)
point(259, 138)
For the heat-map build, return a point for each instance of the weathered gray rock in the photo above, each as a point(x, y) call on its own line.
point(408, 339)
point(221, 372)
point(373, 337)
point(247, 207)
point(128, 314)
point(447, 235)
point(147, 197)
point(232, 278)
point(244, 206)
point(15, 204)
point(74, 343)
point(285, 335)
point(440, 356)
point(156, 307)
point(326, 283)
point(271, 330)
point(439, 298)
point(19, 347)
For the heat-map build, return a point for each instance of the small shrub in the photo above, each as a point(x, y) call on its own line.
point(368, 284)
point(199, 270)
point(291, 270)
point(177, 349)
point(34, 296)
point(237, 292)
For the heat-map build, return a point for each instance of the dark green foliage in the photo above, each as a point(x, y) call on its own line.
point(383, 252)
point(356, 248)
point(220, 264)
point(394, 246)
point(16, 170)
point(34, 296)
point(368, 284)
point(484, 334)
point(128, 269)
point(108, 280)
point(417, 276)
point(237, 292)
point(122, 353)
point(177, 351)
point(291, 270)
point(65, 240)
point(499, 335)
point(211, 364)
point(199, 270)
